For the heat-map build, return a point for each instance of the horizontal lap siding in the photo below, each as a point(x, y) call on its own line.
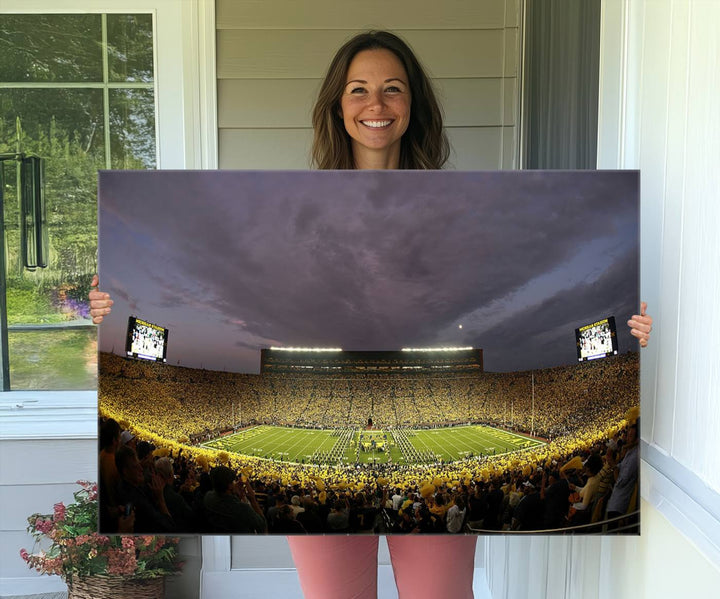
point(472, 148)
point(36, 474)
point(399, 14)
point(271, 59)
point(307, 53)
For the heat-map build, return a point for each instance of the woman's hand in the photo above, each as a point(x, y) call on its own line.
point(99, 302)
point(641, 325)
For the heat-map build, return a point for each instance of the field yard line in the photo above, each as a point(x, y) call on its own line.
point(269, 440)
point(529, 438)
point(296, 443)
point(328, 438)
point(312, 440)
point(301, 435)
point(478, 439)
point(518, 436)
point(445, 432)
point(423, 441)
point(452, 433)
point(526, 438)
point(492, 440)
point(279, 441)
point(275, 433)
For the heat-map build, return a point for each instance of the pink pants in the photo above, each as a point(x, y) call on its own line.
point(345, 567)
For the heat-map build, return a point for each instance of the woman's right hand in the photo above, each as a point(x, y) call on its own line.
point(99, 302)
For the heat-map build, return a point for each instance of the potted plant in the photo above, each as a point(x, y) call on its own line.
point(96, 566)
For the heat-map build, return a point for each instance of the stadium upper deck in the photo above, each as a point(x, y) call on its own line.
point(392, 362)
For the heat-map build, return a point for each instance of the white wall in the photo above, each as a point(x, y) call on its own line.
point(272, 56)
point(48, 441)
point(659, 90)
point(46, 445)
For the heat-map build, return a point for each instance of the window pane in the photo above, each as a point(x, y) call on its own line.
point(53, 359)
point(52, 119)
point(50, 48)
point(65, 127)
point(130, 47)
point(132, 128)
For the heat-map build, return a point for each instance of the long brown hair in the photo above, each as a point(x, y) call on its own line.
point(424, 144)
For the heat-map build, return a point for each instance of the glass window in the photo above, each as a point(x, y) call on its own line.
point(78, 91)
point(130, 49)
point(37, 48)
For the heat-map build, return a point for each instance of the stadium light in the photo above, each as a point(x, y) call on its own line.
point(316, 349)
point(436, 348)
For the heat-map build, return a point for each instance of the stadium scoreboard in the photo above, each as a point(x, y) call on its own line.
point(145, 340)
point(597, 340)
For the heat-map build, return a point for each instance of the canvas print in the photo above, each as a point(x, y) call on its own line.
point(379, 352)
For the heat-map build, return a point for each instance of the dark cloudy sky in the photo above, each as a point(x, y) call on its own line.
point(232, 262)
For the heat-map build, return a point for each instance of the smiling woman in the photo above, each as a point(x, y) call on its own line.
point(375, 108)
point(363, 117)
point(390, 128)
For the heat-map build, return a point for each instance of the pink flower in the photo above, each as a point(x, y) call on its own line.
point(121, 562)
point(44, 526)
point(128, 543)
point(25, 555)
point(59, 512)
point(53, 565)
point(90, 488)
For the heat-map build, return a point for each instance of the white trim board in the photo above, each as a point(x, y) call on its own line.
point(186, 106)
point(36, 415)
point(32, 586)
point(249, 584)
point(695, 516)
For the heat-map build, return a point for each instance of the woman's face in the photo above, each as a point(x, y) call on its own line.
point(375, 104)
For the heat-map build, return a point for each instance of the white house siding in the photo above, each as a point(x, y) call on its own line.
point(271, 58)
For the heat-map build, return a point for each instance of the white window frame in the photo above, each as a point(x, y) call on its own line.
point(184, 45)
point(185, 123)
point(186, 131)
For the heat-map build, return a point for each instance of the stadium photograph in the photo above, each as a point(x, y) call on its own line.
point(369, 352)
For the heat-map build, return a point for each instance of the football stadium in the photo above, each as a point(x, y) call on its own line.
point(386, 441)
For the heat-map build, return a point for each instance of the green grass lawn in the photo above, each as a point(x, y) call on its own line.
point(286, 444)
point(299, 445)
point(53, 359)
point(451, 444)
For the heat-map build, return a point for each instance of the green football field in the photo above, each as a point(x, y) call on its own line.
point(332, 446)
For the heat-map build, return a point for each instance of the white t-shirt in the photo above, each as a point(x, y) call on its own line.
point(455, 518)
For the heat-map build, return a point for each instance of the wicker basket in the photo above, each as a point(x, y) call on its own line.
point(116, 587)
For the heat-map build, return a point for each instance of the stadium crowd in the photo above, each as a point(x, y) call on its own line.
point(199, 404)
point(153, 478)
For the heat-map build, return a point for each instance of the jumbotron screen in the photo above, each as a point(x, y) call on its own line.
point(597, 340)
point(146, 340)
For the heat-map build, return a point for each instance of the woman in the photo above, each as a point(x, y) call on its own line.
point(377, 110)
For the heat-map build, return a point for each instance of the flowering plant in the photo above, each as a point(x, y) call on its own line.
point(77, 550)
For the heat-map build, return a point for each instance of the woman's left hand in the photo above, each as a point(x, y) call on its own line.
point(641, 325)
